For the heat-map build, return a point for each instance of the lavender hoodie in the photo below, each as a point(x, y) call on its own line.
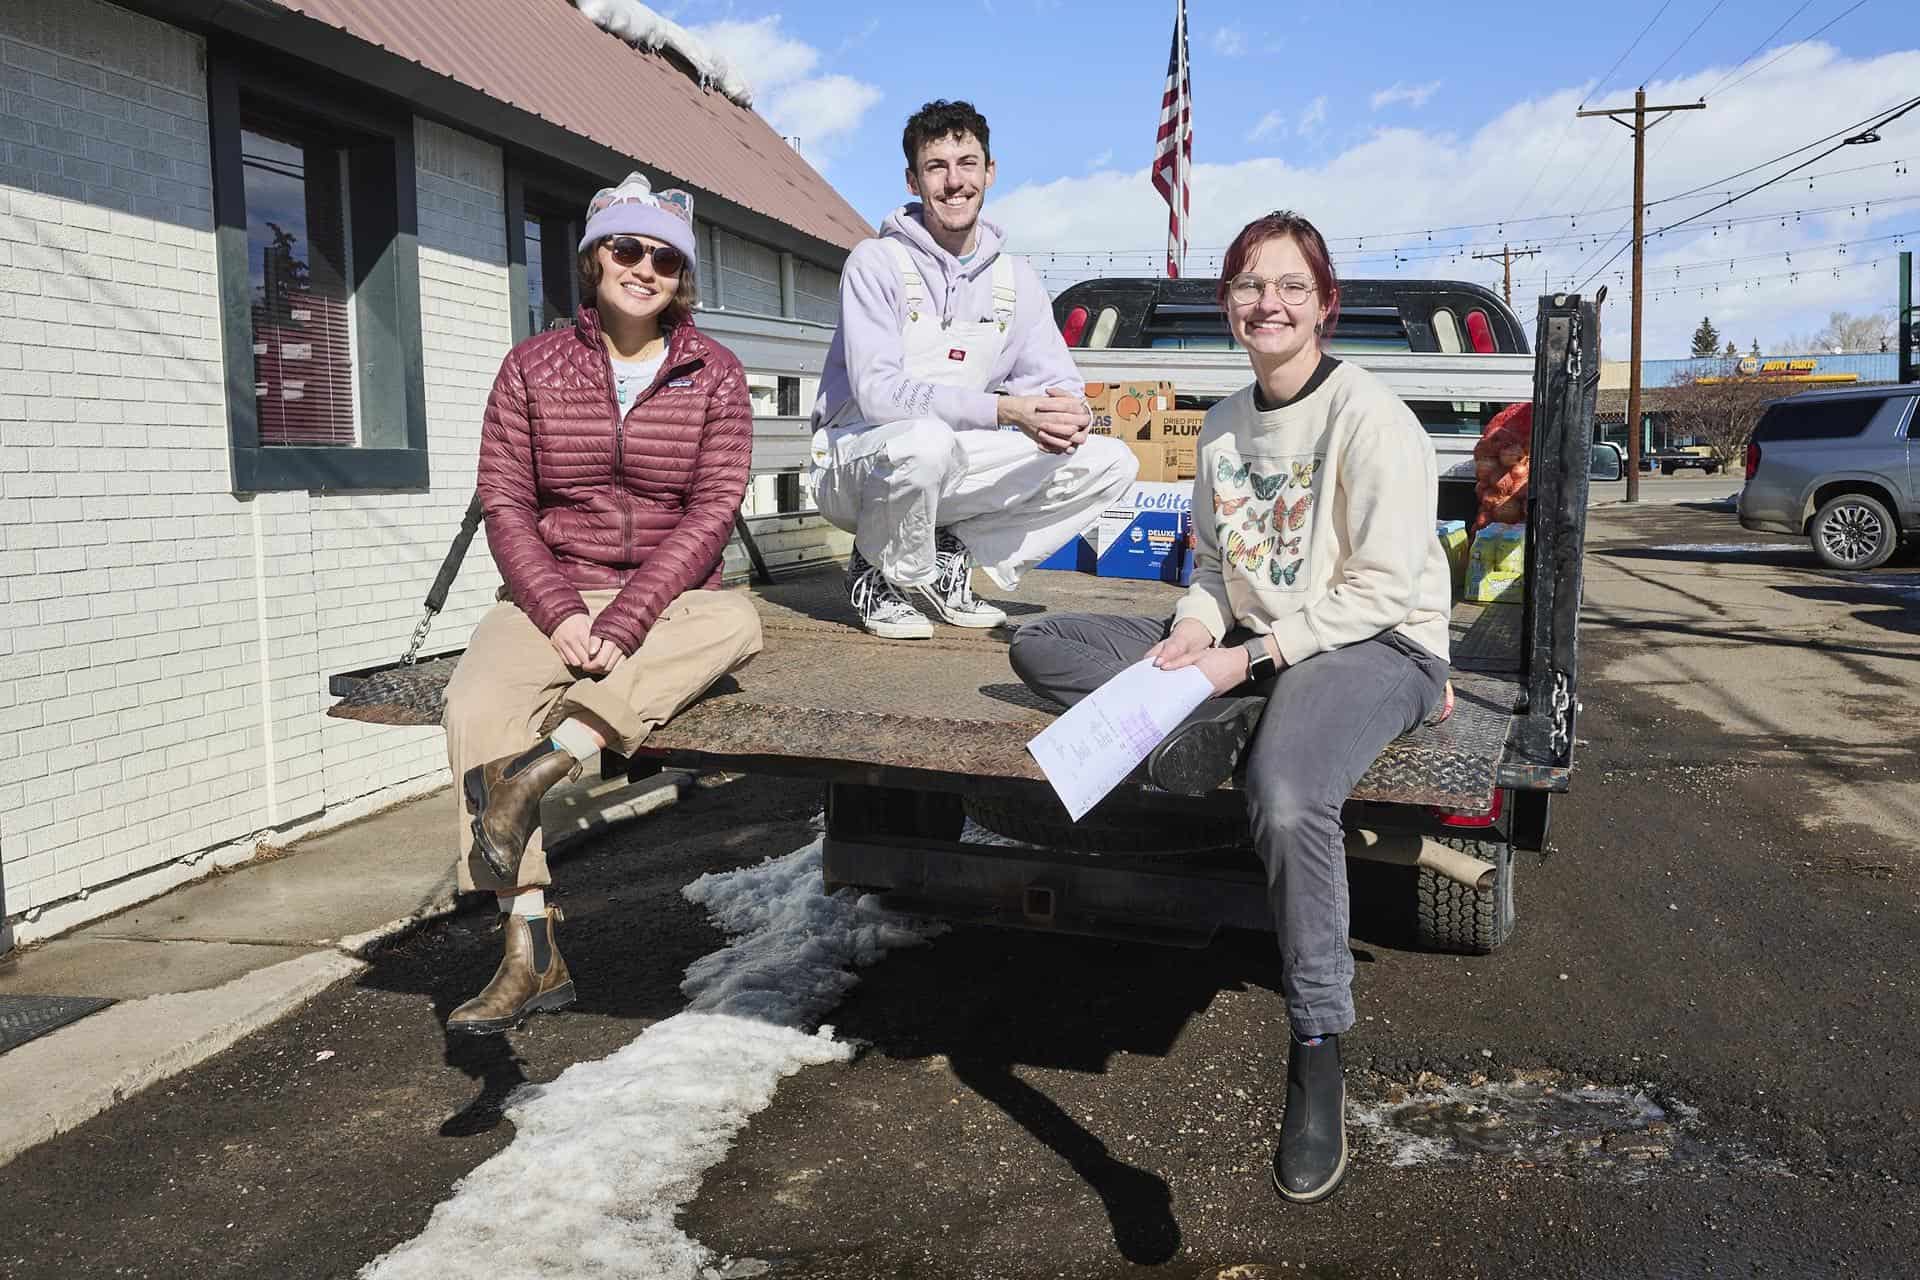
point(865, 379)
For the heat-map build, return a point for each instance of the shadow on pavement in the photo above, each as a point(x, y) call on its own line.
point(1891, 603)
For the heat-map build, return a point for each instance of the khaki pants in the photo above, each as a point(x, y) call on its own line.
point(510, 678)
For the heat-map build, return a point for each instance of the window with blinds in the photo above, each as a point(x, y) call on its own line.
point(298, 274)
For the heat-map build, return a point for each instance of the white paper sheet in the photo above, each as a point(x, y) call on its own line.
point(1099, 740)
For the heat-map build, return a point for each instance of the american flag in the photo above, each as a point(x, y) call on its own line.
point(1173, 153)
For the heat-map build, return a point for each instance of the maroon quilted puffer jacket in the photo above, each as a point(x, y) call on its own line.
point(577, 500)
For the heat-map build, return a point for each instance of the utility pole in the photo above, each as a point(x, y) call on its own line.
point(1909, 318)
point(1639, 129)
point(1506, 257)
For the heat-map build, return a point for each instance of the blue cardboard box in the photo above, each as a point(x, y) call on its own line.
point(1144, 534)
point(1077, 556)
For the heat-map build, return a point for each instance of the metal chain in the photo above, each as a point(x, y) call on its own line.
point(419, 637)
point(1562, 708)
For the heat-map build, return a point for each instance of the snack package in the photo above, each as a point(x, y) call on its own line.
point(1497, 564)
point(1453, 540)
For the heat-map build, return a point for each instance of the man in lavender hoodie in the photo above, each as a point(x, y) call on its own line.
point(951, 428)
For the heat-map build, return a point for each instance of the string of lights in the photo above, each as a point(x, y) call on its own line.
point(1454, 250)
point(1868, 134)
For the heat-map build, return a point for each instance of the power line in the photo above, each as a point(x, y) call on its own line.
point(1445, 251)
point(1654, 74)
point(1601, 83)
point(1790, 48)
point(1764, 42)
point(1865, 136)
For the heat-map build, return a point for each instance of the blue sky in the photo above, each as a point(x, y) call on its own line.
point(1375, 118)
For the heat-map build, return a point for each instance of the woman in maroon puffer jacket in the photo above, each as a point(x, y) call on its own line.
point(612, 460)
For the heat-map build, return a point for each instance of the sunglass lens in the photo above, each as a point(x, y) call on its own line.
point(668, 260)
point(626, 251)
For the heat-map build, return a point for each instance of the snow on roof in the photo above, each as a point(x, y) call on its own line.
point(637, 24)
point(604, 1157)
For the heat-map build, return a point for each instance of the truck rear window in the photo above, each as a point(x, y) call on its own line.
point(1817, 420)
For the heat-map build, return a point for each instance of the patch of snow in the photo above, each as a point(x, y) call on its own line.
point(604, 1157)
point(637, 24)
point(1733, 548)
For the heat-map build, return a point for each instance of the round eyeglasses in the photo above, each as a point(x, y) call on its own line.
point(1247, 289)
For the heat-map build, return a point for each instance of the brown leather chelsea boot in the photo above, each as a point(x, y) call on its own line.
point(532, 978)
point(503, 802)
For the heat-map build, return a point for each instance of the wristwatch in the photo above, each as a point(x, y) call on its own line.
point(1260, 663)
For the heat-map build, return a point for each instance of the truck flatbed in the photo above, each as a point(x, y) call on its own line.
point(827, 699)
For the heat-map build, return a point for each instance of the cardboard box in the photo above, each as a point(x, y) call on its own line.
point(1153, 460)
point(1178, 431)
point(1144, 532)
point(1128, 410)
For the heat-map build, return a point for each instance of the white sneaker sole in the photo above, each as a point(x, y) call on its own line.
point(980, 620)
point(919, 629)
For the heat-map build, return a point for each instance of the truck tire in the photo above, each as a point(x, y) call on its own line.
point(1112, 826)
point(1448, 916)
point(1668, 468)
point(1853, 531)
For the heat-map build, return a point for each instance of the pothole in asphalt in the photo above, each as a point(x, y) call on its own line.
point(1542, 1122)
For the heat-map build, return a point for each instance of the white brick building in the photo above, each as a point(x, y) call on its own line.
point(177, 581)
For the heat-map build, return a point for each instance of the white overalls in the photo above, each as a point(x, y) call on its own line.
point(1009, 500)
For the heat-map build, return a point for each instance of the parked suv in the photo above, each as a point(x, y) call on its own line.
point(1841, 468)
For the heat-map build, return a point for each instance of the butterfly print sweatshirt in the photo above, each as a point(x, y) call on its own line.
point(1314, 522)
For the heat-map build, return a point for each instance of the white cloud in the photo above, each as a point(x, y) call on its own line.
point(1268, 123)
point(1228, 42)
point(1313, 117)
point(1408, 179)
point(1414, 95)
point(821, 111)
point(1100, 161)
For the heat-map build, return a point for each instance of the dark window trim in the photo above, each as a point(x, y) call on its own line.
point(561, 195)
point(383, 206)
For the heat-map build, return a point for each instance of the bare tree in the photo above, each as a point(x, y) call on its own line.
point(1844, 332)
point(1720, 409)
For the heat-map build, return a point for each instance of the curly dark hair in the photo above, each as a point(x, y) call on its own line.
point(942, 119)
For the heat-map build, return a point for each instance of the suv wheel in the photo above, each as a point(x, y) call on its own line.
point(1853, 531)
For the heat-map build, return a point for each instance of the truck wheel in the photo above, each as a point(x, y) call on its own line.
point(1853, 531)
point(1110, 827)
point(1668, 468)
point(1448, 916)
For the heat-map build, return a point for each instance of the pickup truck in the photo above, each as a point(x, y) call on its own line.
point(933, 802)
point(1672, 460)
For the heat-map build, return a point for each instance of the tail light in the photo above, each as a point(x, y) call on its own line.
point(1480, 333)
point(1753, 457)
point(1456, 818)
point(1075, 326)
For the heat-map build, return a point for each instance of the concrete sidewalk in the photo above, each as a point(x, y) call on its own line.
point(198, 968)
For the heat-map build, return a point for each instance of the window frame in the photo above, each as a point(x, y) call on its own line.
point(552, 194)
point(382, 200)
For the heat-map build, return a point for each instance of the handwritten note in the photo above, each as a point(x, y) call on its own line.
point(1100, 740)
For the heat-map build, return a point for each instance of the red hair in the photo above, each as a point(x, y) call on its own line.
point(1306, 237)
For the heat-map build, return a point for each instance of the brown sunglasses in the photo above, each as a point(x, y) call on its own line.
point(628, 252)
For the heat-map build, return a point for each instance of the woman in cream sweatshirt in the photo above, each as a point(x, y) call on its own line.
point(1320, 595)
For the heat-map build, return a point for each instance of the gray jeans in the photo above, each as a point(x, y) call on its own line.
point(1325, 721)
